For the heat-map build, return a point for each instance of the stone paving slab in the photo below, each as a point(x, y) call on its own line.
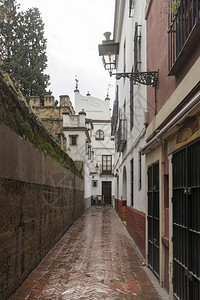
point(95, 259)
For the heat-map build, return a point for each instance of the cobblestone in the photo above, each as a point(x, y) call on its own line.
point(95, 259)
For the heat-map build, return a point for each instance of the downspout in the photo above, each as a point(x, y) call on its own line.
point(181, 113)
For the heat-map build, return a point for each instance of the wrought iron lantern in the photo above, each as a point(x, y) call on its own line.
point(96, 170)
point(97, 167)
point(109, 50)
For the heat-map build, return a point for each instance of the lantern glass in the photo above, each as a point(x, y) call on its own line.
point(109, 50)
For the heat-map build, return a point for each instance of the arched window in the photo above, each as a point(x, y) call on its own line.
point(99, 135)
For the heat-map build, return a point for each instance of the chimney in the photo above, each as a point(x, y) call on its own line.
point(64, 100)
point(82, 115)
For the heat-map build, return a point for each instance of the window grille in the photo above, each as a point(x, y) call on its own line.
point(183, 32)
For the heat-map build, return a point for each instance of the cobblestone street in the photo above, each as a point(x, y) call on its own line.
point(95, 259)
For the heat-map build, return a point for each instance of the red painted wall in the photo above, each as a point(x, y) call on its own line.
point(157, 58)
point(136, 227)
point(119, 207)
point(116, 205)
point(135, 222)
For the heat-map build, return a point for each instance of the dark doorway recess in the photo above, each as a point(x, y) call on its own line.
point(186, 222)
point(106, 191)
point(153, 218)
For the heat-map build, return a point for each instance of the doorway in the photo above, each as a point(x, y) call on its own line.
point(186, 222)
point(107, 191)
point(153, 219)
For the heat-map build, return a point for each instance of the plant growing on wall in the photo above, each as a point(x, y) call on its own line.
point(170, 6)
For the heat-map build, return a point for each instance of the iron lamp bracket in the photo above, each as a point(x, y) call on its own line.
point(146, 78)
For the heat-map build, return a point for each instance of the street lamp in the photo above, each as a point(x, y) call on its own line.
point(97, 168)
point(109, 50)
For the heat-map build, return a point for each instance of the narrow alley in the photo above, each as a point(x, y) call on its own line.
point(95, 259)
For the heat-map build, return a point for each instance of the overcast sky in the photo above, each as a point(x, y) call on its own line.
point(73, 29)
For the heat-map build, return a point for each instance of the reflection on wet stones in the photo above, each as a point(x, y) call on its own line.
point(95, 259)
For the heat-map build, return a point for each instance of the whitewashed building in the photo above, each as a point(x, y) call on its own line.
point(129, 111)
point(77, 130)
point(89, 141)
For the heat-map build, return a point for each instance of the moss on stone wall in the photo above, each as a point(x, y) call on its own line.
point(17, 115)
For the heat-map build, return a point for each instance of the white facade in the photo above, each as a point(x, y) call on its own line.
point(130, 33)
point(77, 131)
point(102, 146)
point(89, 140)
point(95, 108)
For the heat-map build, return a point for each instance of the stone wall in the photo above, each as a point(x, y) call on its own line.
point(50, 114)
point(41, 191)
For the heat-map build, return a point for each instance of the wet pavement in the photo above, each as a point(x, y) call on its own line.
point(95, 259)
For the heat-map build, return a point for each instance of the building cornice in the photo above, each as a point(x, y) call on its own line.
point(78, 129)
point(101, 121)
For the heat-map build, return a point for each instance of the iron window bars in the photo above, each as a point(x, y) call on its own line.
point(183, 32)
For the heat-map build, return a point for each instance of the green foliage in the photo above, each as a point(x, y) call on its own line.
point(23, 48)
point(170, 6)
point(27, 128)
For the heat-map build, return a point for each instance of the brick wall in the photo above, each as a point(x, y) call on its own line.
point(136, 227)
point(120, 207)
point(116, 205)
point(135, 222)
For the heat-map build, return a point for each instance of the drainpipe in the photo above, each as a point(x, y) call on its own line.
point(180, 114)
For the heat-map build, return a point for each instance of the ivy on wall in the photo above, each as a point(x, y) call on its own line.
point(17, 115)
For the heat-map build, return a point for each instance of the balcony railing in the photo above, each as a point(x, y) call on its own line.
point(106, 172)
point(183, 33)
